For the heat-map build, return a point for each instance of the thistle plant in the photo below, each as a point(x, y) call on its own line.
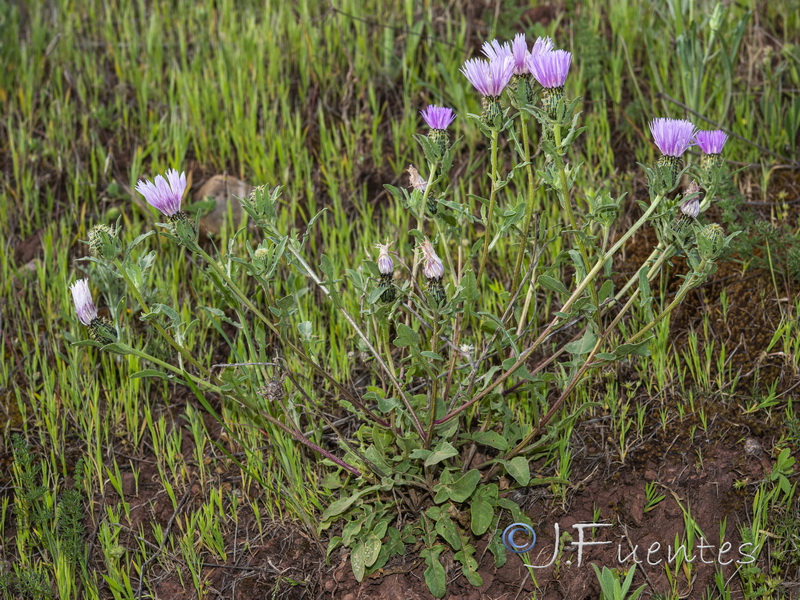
point(448, 317)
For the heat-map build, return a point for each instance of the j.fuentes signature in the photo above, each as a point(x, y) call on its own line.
point(652, 555)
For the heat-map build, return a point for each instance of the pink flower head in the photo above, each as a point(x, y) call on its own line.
point(489, 77)
point(82, 298)
point(164, 194)
point(432, 267)
point(672, 136)
point(385, 262)
point(437, 117)
point(711, 142)
point(550, 68)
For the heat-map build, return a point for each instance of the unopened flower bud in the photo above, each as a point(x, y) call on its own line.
point(710, 241)
point(261, 254)
point(104, 242)
point(184, 228)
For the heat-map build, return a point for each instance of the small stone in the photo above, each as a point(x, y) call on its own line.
point(128, 484)
point(224, 190)
point(752, 447)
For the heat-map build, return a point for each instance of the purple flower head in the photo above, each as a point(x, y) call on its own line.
point(550, 68)
point(437, 117)
point(494, 50)
point(672, 136)
point(711, 142)
point(164, 194)
point(82, 298)
point(489, 77)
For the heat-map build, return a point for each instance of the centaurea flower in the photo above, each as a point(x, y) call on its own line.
point(550, 69)
point(438, 118)
point(164, 194)
point(490, 79)
point(711, 143)
point(99, 329)
point(673, 137)
point(82, 297)
point(386, 269)
point(433, 269)
point(521, 82)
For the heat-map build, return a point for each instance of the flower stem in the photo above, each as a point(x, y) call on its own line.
point(163, 332)
point(487, 238)
point(434, 380)
point(421, 217)
point(567, 305)
point(526, 228)
point(567, 204)
point(244, 299)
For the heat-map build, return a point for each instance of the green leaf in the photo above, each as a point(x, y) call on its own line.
point(372, 548)
point(119, 348)
point(342, 504)
point(551, 283)
point(442, 452)
point(518, 468)
point(498, 550)
point(606, 290)
point(491, 439)
point(462, 488)
point(358, 561)
point(149, 373)
point(469, 565)
point(435, 576)
point(445, 526)
point(583, 345)
point(406, 336)
point(639, 349)
point(482, 509)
